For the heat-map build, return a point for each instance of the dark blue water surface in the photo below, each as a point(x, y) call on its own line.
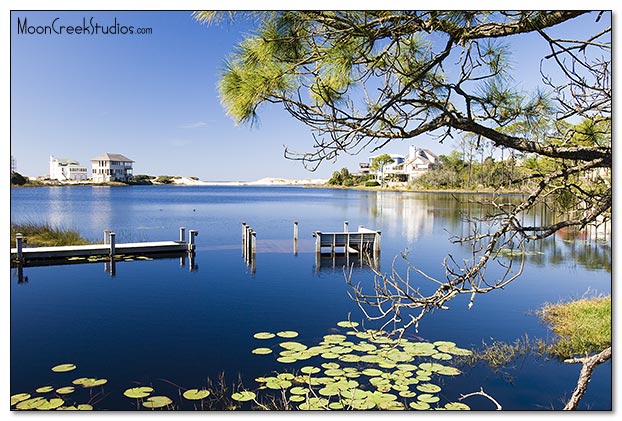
point(157, 322)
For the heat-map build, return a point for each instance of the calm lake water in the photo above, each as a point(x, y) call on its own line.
point(157, 322)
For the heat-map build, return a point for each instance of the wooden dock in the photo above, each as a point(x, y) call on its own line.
point(357, 242)
point(364, 243)
point(109, 248)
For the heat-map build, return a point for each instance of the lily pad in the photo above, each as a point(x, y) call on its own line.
point(293, 346)
point(32, 403)
point(362, 404)
point(444, 344)
point(44, 389)
point(457, 406)
point(61, 368)
point(391, 406)
point(264, 335)
point(50, 404)
point(243, 396)
point(19, 397)
point(297, 398)
point(314, 404)
point(428, 388)
point(196, 394)
point(330, 366)
point(286, 360)
point(334, 339)
point(94, 382)
point(336, 406)
point(372, 372)
point(85, 407)
point(334, 372)
point(298, 390)
point(65, 390)
point(349, 358)
point(421, 406)
point(138, 392)
point(428, 398)
point(347, 323)
point(261, 351)
point(441, 356)
point(157, 402)
point(287, 334)
point(310, 370)
point(407, 394)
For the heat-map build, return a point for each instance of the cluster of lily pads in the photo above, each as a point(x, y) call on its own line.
point(361, 370)
point(118, 257)
point(143, 396)
point(50, 398)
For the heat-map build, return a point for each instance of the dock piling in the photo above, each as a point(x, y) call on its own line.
point(345, 226)
point(191, 245)
point(112, 243)
point(182, 234)
point(295, 238)
point(19, 238)
point(106, 235)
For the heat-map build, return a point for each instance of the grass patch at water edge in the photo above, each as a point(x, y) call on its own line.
point(582, 326)
point(45, 235)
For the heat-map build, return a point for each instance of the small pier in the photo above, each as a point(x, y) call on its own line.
point(110, 248)
point(365, 243)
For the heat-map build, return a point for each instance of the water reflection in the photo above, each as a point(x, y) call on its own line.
point(109, 263)
point(416, 215)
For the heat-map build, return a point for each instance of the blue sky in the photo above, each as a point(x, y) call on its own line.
point(154, 99)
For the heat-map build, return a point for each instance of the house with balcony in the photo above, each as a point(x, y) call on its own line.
point(419, 162)
point(65, 169)
point(403, 168)
point(112, 167)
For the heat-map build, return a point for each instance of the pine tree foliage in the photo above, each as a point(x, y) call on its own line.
point(362, 79)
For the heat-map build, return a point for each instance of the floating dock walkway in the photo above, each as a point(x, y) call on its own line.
point(363, 240)
point(110, 248)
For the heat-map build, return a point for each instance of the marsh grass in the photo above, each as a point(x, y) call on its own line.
point(582, 326)
point(46, 235)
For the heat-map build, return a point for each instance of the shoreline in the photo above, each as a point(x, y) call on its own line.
point(274, 182)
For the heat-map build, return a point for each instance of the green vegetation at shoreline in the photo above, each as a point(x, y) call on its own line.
point(45, 235)
point(582, 326)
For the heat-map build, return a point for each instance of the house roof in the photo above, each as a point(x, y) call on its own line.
point(66, 161)
point(112, 157)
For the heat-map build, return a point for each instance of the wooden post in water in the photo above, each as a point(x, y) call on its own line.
point(253, 243)
point(182, 234)
point(345, 226)
point(295, 238)
point(248, 245)
point(244, 229)
point(377, 245)
point(112, 243)
point(106, 235)
point(191, 245)
point(19, 238)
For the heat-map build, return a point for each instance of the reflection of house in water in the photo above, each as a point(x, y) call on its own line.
point(412, 213)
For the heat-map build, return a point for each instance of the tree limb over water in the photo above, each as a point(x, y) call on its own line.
point(360, 80)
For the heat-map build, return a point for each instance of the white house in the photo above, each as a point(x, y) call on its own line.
point(419, 161)
point(403, 168)
point(64, 169)
point(111, 167)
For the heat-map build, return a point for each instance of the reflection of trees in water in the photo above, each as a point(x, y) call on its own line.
point(418, 213)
